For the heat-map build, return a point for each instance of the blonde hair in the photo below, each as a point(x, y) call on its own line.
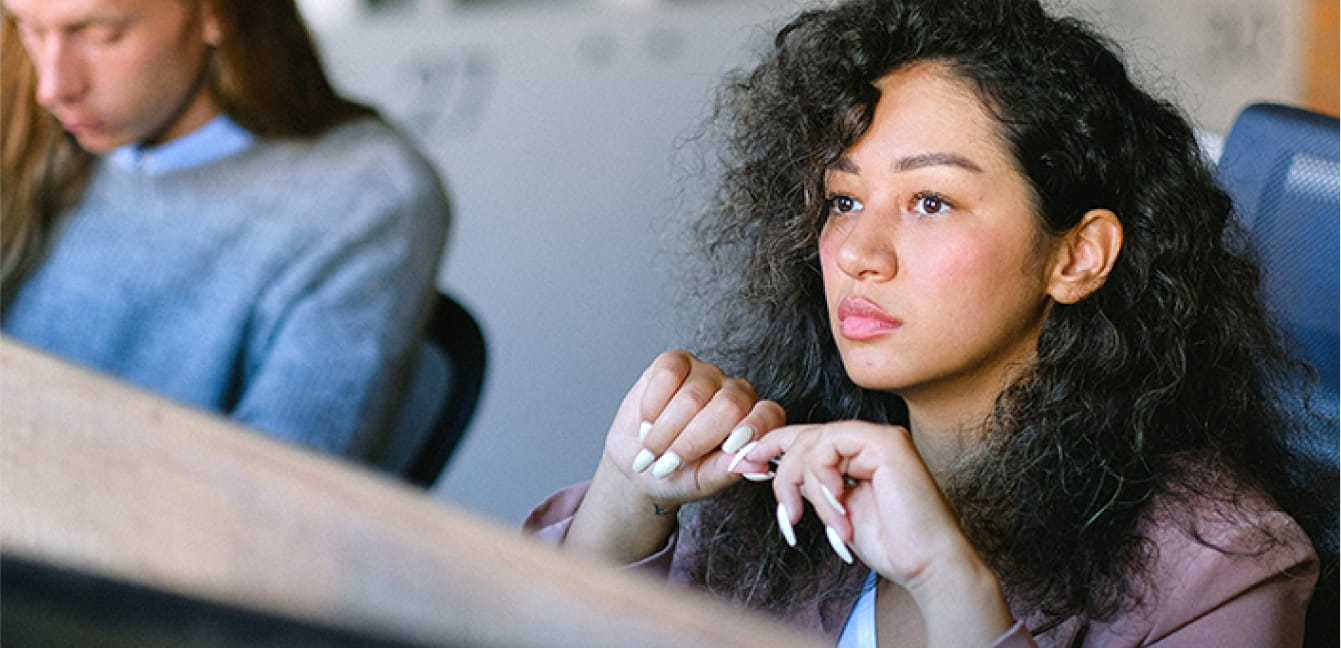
point(265, 73)
point(42, 169)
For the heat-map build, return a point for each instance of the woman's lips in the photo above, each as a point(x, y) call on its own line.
point(861, 319)
point(83, 127)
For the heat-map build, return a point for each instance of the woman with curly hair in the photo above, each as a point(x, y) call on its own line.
point(1033, 396)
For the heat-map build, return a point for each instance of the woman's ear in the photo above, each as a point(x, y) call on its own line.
point(212, 33)
point(1085, 256)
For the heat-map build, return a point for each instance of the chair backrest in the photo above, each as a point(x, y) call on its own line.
point(441, 395)
point(1280, 165)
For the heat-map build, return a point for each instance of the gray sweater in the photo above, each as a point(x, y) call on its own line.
point(284, 286)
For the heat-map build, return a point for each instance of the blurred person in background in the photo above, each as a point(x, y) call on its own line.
point(190, 206)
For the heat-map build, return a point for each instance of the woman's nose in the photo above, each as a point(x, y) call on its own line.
point(61, 76)
point(866, 250)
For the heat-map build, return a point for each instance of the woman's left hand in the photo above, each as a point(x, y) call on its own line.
point(867, 483)
point(872, 490)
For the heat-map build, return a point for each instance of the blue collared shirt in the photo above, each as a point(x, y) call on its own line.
point(217, 139)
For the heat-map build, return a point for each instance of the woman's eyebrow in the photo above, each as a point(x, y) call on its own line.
point(844, 164)
point(912, 162)
point(924, 160)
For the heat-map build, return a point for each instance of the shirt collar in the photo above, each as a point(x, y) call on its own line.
point(217, 139)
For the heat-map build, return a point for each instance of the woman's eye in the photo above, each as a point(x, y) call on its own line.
point(843, 205)
point(98, 33)
point(102, 34)
point(930, 204)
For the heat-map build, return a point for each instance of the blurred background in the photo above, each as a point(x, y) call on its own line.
point(564, 130)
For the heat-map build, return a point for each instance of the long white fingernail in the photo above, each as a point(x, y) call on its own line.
point(837, 543)
point(644, 430)
point(740, 456)
point(738, 438)
point(785, 524)
point(833, 501)
point(759, 477)
point(666, 464)
point(643, 460)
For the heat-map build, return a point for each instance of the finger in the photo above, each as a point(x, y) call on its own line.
point(824, 489)
point(663, 379)
point(765, 417)
point(679, 386)
point(789, 477)
point(811, 469)
point(708, 426)
point(660, 382)
point(823, 465)
point(840, 546)
point(771, 444)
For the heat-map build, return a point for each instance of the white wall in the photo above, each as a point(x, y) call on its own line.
point(557, 132)
point(1212, 57)
point(557, 126)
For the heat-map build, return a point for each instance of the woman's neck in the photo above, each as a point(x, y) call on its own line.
point(947, 425)
point(948, 420)
point(941, 440)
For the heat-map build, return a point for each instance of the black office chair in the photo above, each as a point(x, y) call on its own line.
point(441, 395)
point(1280, 165)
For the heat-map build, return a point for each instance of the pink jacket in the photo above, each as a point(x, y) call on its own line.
point(1200, 597)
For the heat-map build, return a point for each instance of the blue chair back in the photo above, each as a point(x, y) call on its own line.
point(1280, 166)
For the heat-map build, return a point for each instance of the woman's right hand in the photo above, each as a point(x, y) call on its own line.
point(671, 443)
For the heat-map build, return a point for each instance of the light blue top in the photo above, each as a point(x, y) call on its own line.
point(217, 139)
point(859, 631)
point(281, 282)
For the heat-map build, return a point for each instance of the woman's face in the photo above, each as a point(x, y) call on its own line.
point(117, 72)
point(935, 268)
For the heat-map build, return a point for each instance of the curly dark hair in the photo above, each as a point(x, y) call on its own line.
point(1172, 363)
